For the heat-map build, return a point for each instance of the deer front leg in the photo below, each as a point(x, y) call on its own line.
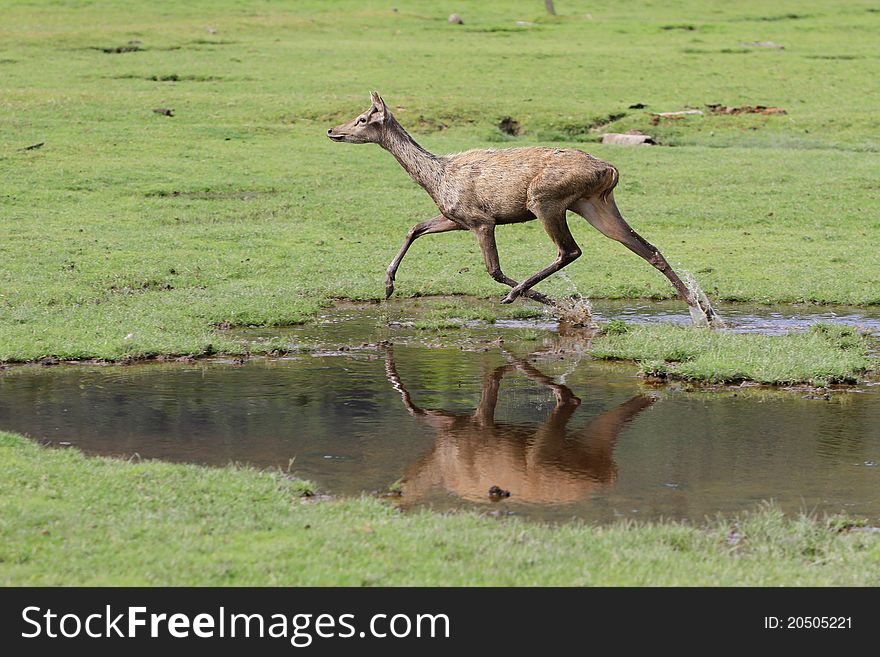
point(438, 224)
point(486, 239)
point(567, 248)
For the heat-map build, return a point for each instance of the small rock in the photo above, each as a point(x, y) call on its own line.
point(627, 139)
point(164, 111)
point(455, 19)
point(764, 44)
point(689, 112)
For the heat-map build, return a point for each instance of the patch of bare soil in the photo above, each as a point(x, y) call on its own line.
point(716, 108)
point(509, 126)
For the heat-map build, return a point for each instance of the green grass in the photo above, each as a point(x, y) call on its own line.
point(66, 519)
point(129, 233)
point(827, 354)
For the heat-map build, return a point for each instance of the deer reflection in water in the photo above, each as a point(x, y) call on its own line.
point(548, 465)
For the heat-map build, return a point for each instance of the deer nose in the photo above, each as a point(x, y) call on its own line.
point(330, 131)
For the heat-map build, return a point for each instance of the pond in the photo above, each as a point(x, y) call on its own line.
point(377, 404)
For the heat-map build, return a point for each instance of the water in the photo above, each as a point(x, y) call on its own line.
point(744, 317)
point(447, 418)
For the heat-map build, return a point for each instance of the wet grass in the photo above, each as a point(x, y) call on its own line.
point(66, 519)
point(130, 233)
point(826, 354)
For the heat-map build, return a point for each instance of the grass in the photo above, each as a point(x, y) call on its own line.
point(126, 233)
point(66, 519)
point(827, 354)
point(129, 233)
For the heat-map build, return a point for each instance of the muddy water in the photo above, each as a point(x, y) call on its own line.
point(448, 418)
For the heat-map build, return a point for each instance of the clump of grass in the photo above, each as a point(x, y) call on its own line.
point(527, 335)
point(457, 313)
point(826, 354)
point(615, 327)
point(526, 312)
point(843, 337)
point(451, 314)
point(654, 369)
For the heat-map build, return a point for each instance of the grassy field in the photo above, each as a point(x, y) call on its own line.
point(125, 232)
point(129, 232)
point(70, 520)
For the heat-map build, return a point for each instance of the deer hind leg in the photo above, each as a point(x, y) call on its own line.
point(553, 220)
point(438, 224)
point(486, 239)
point(604, 216)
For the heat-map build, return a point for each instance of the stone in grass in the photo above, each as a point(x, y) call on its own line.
point(631, 138)
point(455, 19)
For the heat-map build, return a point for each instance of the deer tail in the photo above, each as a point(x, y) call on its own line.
point(609, 181)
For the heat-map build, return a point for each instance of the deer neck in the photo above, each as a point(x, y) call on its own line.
point(422, 166)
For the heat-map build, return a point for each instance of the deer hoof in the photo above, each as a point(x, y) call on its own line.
point(511, 297)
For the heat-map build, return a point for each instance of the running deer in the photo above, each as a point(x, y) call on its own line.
point(547, 464)
point(480, 189)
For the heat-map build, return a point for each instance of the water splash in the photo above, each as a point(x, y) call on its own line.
point(700, 316)
point(574, 310)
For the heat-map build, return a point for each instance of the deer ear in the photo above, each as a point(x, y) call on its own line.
point(378, 103)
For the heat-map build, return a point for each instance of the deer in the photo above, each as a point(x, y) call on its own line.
point(547, 464)
point(480, 189)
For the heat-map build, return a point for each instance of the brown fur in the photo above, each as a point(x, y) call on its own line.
point(480, 189)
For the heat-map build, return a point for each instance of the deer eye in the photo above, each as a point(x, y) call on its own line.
point(362, 119)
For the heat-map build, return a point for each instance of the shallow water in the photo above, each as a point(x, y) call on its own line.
point(452, 417)
point(744, 317)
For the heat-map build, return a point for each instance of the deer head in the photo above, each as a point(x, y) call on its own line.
point(365, 128)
